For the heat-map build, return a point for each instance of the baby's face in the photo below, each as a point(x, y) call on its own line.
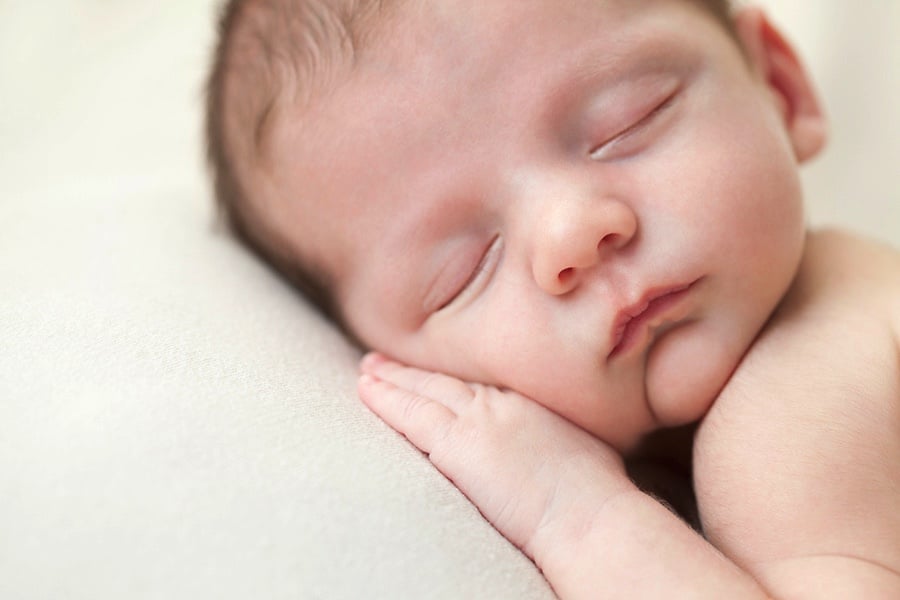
point(594, 203)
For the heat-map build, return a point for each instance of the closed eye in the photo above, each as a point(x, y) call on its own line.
point(479, 276)
point(627, 141)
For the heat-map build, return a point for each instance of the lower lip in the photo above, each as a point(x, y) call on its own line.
point(636, 331)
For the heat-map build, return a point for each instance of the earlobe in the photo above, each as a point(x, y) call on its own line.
point(774, 60)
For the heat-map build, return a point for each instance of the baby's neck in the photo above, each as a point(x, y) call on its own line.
point(670, 446)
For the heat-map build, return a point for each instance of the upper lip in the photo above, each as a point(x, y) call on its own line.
point(638, 308)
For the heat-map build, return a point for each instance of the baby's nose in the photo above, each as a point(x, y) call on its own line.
point(574, 237)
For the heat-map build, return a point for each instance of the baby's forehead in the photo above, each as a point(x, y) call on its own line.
point(419, 47)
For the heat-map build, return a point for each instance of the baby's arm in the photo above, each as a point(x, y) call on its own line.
point(796, 465)
point(553, 490)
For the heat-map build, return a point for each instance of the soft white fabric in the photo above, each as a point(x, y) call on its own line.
point(174, 421)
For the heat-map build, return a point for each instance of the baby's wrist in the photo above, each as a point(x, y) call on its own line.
point(569, 524)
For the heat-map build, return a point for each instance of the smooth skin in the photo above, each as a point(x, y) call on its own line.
point(510, 183)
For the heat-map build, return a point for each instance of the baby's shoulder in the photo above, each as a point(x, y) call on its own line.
point(806, 426)
point(831, 345)
point(841, 271)
point(838, 323)
point(845, 301)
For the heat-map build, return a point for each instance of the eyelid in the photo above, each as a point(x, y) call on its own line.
point(646, 119)
point(486, 265)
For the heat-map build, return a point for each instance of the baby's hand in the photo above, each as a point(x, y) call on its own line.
point(535, 476)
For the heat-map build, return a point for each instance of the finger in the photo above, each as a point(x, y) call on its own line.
point(449, 391)
point(422, 420)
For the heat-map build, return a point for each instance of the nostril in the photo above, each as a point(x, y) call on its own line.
point(610, 239)
point(566, 275)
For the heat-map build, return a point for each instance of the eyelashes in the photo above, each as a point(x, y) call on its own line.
point(629, 140)
point(479, 276)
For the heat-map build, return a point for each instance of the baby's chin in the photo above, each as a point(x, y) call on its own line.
point(685, 374)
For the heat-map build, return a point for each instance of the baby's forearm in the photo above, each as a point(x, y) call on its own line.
point(633, 547)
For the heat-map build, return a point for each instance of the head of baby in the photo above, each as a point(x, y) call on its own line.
point(595, 203)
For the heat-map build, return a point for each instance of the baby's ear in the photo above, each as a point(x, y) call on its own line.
point(773, 58)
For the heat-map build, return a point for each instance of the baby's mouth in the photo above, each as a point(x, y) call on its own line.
point(633, 324)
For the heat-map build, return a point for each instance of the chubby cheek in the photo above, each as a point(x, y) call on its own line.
point(494, 342)
point(747, 194)
point(748, 240)
point(552, 356)
point(767, 229)
point(511, 340)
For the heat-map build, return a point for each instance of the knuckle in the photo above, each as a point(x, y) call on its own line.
point(411, 405)
point(429, 385)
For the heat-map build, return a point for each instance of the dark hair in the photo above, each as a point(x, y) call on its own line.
point(264, 48)
point(721, 10)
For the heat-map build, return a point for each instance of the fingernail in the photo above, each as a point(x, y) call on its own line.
point(371, 360)
point(366, 379)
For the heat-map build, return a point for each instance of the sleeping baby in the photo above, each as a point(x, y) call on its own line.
point(573, 233)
